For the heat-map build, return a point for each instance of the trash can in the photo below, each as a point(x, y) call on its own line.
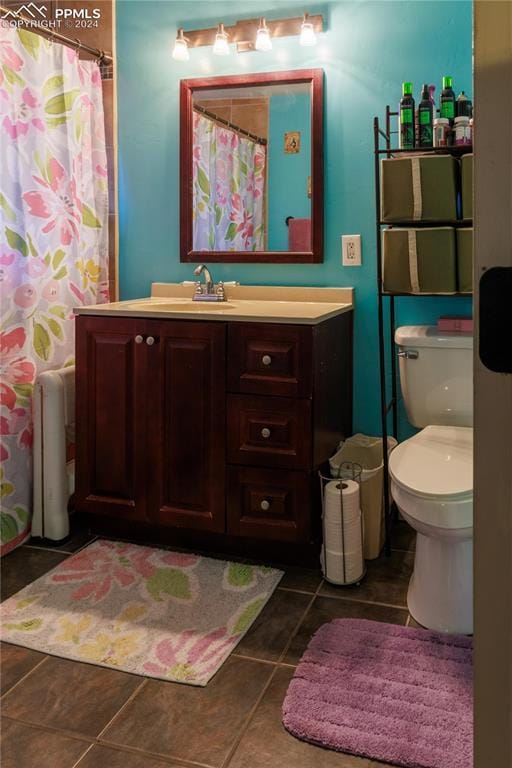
point(367, 451)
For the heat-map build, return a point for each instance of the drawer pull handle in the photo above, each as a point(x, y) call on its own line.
point(266, 360)
point(265, 432)
point(150, 341)
point(265, 505)
point(139, 339)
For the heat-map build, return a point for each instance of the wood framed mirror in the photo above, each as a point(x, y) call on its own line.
point(251, 168)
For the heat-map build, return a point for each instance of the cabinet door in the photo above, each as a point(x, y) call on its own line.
point(186, 425)
point(110, 465)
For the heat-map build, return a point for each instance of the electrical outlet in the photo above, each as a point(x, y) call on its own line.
point(351, 250)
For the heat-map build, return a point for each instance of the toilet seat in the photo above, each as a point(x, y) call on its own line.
point(434, 469)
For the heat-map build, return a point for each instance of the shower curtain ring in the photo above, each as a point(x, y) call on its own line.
point(101, 58)
point(78, 44)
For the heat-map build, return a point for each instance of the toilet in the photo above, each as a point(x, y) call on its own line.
point(432, 474)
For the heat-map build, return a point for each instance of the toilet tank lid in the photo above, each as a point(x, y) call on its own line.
point(431, 336)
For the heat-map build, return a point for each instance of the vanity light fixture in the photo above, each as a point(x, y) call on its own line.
point(307, 32)
point(263, 41)
point(180, 51)
point(256, 34)
point(221, 45)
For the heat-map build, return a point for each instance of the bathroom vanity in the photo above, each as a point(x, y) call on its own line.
point(204, 425)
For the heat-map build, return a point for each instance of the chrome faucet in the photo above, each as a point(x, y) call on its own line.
point(208, 280)
point(209, 291)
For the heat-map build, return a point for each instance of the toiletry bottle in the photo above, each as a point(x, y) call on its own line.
point(441, 131)
point(431, 95)
point(426, 119)
point(448, 99)
point(407, 117)
point(464, 106)
point(462, 130)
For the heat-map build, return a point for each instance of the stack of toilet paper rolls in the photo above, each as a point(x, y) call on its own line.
point(342, 549)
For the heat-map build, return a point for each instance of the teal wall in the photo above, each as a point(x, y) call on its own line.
point(368, 48)
point(287, 173)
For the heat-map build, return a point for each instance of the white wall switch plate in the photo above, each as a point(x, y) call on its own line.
point(351, 250)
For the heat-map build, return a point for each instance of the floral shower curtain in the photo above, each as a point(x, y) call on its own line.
point(53, 236)
point(228, 183)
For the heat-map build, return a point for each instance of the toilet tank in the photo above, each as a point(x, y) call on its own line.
point(436, 375)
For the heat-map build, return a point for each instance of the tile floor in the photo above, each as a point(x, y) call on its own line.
point(63, 714)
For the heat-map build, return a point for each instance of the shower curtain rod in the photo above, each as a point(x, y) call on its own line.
point(104, 57)
point(236, 128)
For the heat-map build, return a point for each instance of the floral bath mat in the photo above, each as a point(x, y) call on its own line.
point(169, 615)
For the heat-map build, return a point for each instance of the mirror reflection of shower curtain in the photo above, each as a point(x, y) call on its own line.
point(228, 184)
point(53, 236)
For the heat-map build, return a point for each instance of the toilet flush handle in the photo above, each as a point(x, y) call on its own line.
point(410, 354)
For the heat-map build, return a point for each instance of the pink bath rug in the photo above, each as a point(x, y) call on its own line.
point(170, 615)
point(391, 693)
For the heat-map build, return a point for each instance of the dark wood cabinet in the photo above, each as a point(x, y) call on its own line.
point(187, 429)
point(151, 421)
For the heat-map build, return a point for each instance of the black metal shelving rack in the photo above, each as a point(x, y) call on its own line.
point(383, 138)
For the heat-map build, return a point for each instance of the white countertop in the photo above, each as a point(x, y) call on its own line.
point(262, 304)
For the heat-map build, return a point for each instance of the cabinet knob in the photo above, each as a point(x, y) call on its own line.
point(266, 359)
point(265, 432)
point(265, 505)
point(150, 341)
point(139, 339)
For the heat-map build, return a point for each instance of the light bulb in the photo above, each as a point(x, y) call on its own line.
point(263, 41)
point(307, 33)
point(221, 46)
point(180, 51)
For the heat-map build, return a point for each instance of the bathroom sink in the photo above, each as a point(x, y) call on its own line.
point(180, 306)
point(262, 304)
point(194, 306)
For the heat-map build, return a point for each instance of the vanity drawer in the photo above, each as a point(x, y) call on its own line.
point(268, 503)
point(270, 359)
point(269, 431)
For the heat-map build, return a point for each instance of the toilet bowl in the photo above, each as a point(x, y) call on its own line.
point(432, 485)
point(432, 473)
